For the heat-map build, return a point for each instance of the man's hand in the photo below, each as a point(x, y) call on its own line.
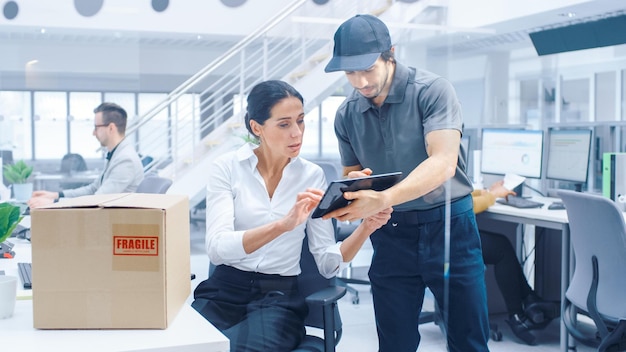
point(36, 202)
point(499, 191)
point(41, 198)
point(365, 172)
point(364, 203)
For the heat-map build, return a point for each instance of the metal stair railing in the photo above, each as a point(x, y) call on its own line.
point(203, 117)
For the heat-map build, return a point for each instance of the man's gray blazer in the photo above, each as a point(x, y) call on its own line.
point(122, 174)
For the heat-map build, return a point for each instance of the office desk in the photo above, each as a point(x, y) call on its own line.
point(542, 217)
point(86, 177)
point(189, 331)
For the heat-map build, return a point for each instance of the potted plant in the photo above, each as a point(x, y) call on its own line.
point(18, 175)
point(10, 216)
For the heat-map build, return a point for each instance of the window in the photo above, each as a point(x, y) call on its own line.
point(50, 125)
point(151, 136)
point(81, 121)
point(15, 123)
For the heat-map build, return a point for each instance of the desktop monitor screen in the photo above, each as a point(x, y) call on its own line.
point(568, 155)
point(512, 151)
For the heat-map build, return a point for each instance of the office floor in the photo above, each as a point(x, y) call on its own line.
point(359, 329)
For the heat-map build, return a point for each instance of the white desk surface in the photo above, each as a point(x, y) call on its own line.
point(543, 213)
point(189, 331)
point(73, 176)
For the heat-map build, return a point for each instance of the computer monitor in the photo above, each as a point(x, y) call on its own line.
point(568, 155)
point(512, 151)
point(7, 158)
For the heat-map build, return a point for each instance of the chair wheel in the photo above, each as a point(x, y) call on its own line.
point(494, 332)
point(496, 335)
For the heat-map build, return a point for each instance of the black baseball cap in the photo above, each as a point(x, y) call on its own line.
point(359, 42)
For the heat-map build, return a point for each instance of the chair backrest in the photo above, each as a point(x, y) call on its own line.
point(597, 229)
point(311, 281)
point(331, 171)
point(327, 318)
point(154, 184)
point(146, 160)
point(73, 162)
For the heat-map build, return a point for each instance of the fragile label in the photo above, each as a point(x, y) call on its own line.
point(136, 245)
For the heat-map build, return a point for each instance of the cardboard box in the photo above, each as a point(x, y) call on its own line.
point(116, 261)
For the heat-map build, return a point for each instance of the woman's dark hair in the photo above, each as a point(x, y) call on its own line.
point(262, 99)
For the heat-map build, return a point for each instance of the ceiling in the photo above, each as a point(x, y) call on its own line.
point(504, 36)
point(513, 34)
point(496, 37)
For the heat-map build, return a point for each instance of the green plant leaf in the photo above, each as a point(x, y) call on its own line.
point(9, 218)
point(18, 172)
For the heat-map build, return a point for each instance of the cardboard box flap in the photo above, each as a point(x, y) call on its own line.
point(90, 201)
point(145, 201)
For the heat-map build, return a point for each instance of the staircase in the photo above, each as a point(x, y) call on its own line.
point(203, 117)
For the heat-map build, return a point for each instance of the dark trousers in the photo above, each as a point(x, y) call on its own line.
point(257, 312)
point(498, 250)
point(410, 255)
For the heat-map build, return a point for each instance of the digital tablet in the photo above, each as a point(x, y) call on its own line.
point(333, 197)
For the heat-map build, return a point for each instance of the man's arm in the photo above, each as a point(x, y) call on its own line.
point(442, 147)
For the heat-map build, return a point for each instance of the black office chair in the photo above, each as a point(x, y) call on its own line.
point(70, 163)
point(73, 162)
point(154, 184)
point(342, 231)
point(598, 237)
point(321, 295)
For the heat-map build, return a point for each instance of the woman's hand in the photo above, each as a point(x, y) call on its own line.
point(374, 222)
point(305, 203)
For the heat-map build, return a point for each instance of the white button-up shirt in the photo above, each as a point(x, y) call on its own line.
point(237, 200)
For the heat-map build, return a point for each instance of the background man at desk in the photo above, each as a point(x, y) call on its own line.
point(123, 170)
point(526, 310)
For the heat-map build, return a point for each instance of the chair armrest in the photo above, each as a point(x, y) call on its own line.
point(326, 296)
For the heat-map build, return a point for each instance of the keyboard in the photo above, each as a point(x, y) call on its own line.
point(24, 270)
point(520, 202)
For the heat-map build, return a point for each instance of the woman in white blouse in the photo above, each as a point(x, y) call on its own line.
point(259, 200)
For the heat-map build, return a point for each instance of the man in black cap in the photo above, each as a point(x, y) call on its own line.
point(402, 119)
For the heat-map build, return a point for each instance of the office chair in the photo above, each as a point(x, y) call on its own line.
point(146, 160)
point(342, 231)
point(73, 162)
point(154, 184)
point(321, 295)
point(598, 237)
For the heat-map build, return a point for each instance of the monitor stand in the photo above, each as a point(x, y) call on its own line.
point(518, 190)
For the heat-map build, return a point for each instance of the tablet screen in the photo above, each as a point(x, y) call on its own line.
point(333, 197)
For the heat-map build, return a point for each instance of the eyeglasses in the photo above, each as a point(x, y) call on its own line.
point(95, 127)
